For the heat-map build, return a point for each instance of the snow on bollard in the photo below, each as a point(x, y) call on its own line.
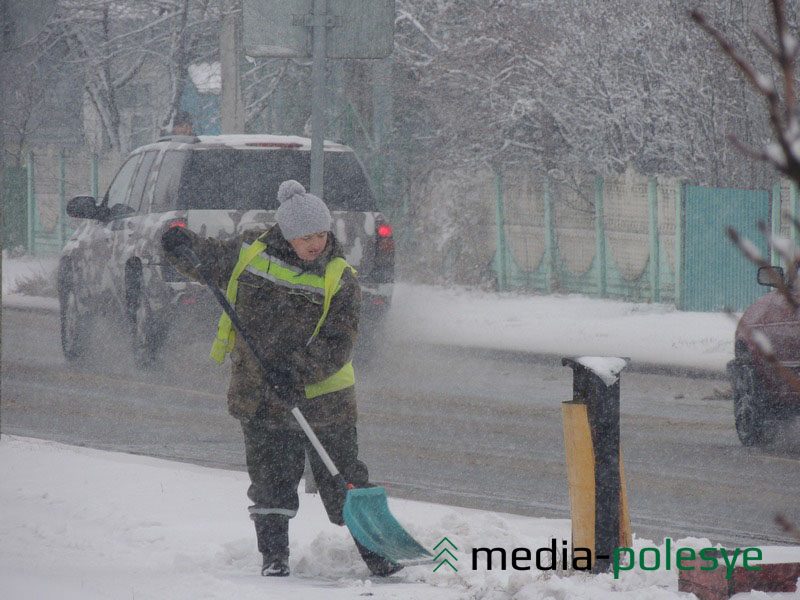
point(598, 502)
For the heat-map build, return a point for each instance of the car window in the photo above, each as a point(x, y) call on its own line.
point(139, 182)
point(117, 195)
point(244, 180)
point(165, 194)
point(345, 187)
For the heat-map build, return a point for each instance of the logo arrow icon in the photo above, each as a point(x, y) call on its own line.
point(443, 552)
point(445, 539)
point(448, 563)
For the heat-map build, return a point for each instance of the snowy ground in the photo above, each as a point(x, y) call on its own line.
point(81, 524)
point(86, 524)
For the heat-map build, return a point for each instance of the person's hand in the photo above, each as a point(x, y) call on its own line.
point(283, 382)
point(174, 238)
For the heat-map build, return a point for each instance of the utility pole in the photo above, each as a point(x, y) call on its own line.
point(4, 34)
point(382, 100)
point(340, 29)
point(318, 103)
point(230, 53)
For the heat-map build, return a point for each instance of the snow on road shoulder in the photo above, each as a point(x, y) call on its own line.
point(86, 524)
point(566, 325)
point(16, 270)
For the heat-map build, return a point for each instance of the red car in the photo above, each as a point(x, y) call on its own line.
point(765, 372)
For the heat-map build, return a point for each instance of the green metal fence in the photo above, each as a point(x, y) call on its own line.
point(641, 242)
point(586, 248)
point(15, 215)
point(35, 198)
point(716, 273)
point(630, 238)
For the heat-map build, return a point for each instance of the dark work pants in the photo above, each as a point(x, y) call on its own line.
point(275, 462)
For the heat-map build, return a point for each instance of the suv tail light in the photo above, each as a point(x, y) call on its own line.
point(175, 223)
point(168, 273)
point(385, 240)
point(383, 272)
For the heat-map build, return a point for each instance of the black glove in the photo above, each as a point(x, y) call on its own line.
point(175, 237)
point(283, 382)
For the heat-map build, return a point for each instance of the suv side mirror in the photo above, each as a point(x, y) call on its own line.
point(770, 276)
point(83, 207)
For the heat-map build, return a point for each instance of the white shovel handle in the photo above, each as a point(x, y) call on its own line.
point(315, 441)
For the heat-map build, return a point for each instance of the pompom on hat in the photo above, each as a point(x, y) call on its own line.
point(300, 213)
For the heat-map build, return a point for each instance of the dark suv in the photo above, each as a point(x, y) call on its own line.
point(765, 372)
point(217, 186)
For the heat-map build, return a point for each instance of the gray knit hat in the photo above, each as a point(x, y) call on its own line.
point(300, 214)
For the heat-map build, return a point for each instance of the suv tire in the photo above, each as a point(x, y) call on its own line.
point(147, 334)
point(754, 424)
point(75, 321)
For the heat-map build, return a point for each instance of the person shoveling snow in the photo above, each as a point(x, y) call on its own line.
point(297, 305)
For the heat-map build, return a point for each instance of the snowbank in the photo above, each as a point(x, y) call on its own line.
point(86, 524)
point(564, 325)
point(17, 270)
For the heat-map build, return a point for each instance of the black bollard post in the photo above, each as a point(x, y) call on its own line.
point(598, 503)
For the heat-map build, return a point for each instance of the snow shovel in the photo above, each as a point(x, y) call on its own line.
point(366, 511)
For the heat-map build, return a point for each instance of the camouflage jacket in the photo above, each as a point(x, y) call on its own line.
point(281, 321)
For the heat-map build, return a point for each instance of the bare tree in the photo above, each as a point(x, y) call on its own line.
point(782, 153)
point(779, 94)
point(21, 103)
point(260, 83)
point(593, 85)
point(119, 45)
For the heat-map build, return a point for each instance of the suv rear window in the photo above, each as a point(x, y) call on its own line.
point(165, 195)
point(249, 179)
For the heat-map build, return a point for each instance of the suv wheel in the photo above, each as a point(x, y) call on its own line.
point(754, 424)
point(146, 333)
point(75, 320)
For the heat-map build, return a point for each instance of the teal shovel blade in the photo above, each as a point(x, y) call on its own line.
point(366, 514)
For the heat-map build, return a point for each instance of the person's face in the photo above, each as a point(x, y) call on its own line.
point(182, 129)
point(309, 247)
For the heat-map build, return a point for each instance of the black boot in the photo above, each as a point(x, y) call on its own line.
point(272, 533)
point(377, 564)
point(275, 566)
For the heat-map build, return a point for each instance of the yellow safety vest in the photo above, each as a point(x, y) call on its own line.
point(252, 259)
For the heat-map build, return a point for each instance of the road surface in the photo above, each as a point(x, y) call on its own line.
point(439, 424)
